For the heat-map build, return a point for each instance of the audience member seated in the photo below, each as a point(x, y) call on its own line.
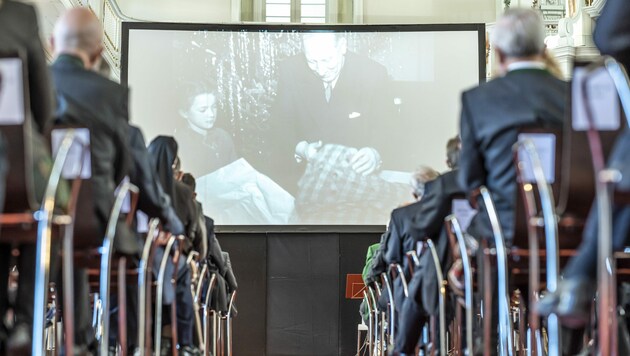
point(492, 114)
point(427, 222)
point(403, 236)
point(19, 31)
point(369, 257)
point(153, 202)
point(572, 298)
point(201, 244)
point(87, 99)
point(163, 151)
point(526, 95)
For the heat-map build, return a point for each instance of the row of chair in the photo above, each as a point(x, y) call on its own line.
point(554, 198)
point(24, 220)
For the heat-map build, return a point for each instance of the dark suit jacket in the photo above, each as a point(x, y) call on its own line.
point(356, 108)
point(428, 222)
point(612, 33)
point(491, 117)
point(186, 210)
point(108, 132)
point(402, 235)
point(19, 31)
point(153, 201)
point(401, 239)
point(215, 259)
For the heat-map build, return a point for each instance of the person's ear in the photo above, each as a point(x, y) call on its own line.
point(183, 113)
point(52, 44)
point(500, 56)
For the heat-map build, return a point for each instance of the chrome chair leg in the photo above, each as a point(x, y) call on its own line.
point(606, 268)
point(44, 236)
point(370, 333)
point(157, 342)
point(208, 319)
point(392, 309)
point(374, 294)
point(68, 290)
point(228, 324)
point(468, 283)
point(551, 240)
point(143, 285)
point(505, 326)
point(106, 261)
point(198, 307)
point(441, 296)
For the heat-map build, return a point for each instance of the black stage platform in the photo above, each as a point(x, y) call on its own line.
point(291, 297)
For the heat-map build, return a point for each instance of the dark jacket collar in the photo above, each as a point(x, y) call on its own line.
point(69, 61)
point(529, 70)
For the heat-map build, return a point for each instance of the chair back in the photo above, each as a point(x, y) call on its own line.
point(15, 126)
point(578, 175)
point(547, 144)
point(78, 170)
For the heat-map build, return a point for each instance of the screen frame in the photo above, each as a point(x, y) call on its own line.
point(127, 27)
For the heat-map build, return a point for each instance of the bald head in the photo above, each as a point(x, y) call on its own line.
point(78, 31)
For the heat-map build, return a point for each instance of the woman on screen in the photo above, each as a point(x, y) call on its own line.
point(203, 146)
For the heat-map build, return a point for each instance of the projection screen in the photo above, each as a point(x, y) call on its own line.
point(299, 124)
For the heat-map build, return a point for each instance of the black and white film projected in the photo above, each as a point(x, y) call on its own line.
point(302, 127)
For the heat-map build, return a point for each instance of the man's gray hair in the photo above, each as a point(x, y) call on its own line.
point(420, 178)
point(519, 33)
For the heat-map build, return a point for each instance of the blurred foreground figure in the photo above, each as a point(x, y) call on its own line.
point(526, 95)
point(572, 299)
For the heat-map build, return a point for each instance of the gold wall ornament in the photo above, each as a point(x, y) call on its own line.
point(572, 7)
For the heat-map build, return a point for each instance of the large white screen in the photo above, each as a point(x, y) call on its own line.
point(291, 127)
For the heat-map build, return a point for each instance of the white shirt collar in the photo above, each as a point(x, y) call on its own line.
point(526, 65)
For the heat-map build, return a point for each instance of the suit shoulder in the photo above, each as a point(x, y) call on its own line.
point(19, 8)
point(451, 182)
point(485, 87)
point(406, 211)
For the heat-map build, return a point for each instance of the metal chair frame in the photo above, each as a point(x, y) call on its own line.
point(209, 320)
point(144, 288)
point(454, 227)
point(379, 329)
point(604, 179)
point(392, 308)
point(551, 241)
point(44, 237)
point(106, 261)
point(228, 324)
point(506, 331)
point(171, 239)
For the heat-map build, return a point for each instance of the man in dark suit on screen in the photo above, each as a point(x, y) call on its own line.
point(525, 95)
point(329, 95)
point(88, 99)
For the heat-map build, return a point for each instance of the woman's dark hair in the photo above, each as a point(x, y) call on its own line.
point(188, 90)
point(163, 152)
